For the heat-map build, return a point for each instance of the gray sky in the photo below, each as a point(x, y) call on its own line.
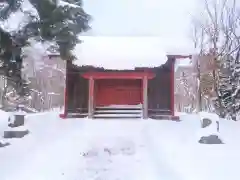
point(167, 18)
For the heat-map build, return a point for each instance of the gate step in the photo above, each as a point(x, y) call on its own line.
point(117, 113)
point(116, 109)
point(117, 117)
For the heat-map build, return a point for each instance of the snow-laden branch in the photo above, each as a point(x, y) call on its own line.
point(64, 3)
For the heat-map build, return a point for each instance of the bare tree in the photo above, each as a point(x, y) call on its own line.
point(217, 34)
point(198, 37)
point(185, 89)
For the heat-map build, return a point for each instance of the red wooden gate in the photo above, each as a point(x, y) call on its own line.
point(118, 92)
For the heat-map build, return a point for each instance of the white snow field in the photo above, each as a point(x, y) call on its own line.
point(84, 149)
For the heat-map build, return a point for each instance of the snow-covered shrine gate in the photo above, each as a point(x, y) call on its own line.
point(153, 88)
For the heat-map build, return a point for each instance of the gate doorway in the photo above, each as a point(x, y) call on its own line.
point(118, 92)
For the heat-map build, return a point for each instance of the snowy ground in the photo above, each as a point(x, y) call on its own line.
point(82, 149)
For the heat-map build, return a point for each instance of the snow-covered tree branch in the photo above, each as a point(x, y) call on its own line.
point(23, 22)
point(219, 23)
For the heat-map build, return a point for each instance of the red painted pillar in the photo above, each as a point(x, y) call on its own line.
point(65, 100)
point(91, 98)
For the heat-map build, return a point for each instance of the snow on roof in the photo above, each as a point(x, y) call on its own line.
point(126, 52)
point(120, 52)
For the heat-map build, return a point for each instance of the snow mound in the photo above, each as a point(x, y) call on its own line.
point(180, 148)
point(123, 150)
point(3, 120)
point(212, 128)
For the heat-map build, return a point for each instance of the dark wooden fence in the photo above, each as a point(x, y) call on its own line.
point(159, 91)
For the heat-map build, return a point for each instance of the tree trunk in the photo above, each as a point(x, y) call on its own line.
point(4, 93)
point(199, 108)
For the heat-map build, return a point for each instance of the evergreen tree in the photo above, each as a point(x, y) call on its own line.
point(61, 22)
point(229, 84)
point(11, 62)
point(57, 21)
point(225, 85)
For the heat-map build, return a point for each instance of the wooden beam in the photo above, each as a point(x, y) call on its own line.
point(179, 56)
point(118, 75)
point(91, 97)
point(145, 97)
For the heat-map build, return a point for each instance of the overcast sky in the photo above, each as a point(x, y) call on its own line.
point(168, 18)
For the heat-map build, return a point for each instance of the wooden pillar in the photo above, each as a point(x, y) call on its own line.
point(172, 87)
point(145, 97)
point(91, 98)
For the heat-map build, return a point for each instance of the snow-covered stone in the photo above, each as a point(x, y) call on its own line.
point(209, 133)
point(17, 118)
point(16, 128)
point(15, 134)
point(211, 139)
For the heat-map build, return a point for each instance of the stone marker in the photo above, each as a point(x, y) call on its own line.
point(17, 118)
point(210, 129)
point(15, 134)
point(211, 139)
